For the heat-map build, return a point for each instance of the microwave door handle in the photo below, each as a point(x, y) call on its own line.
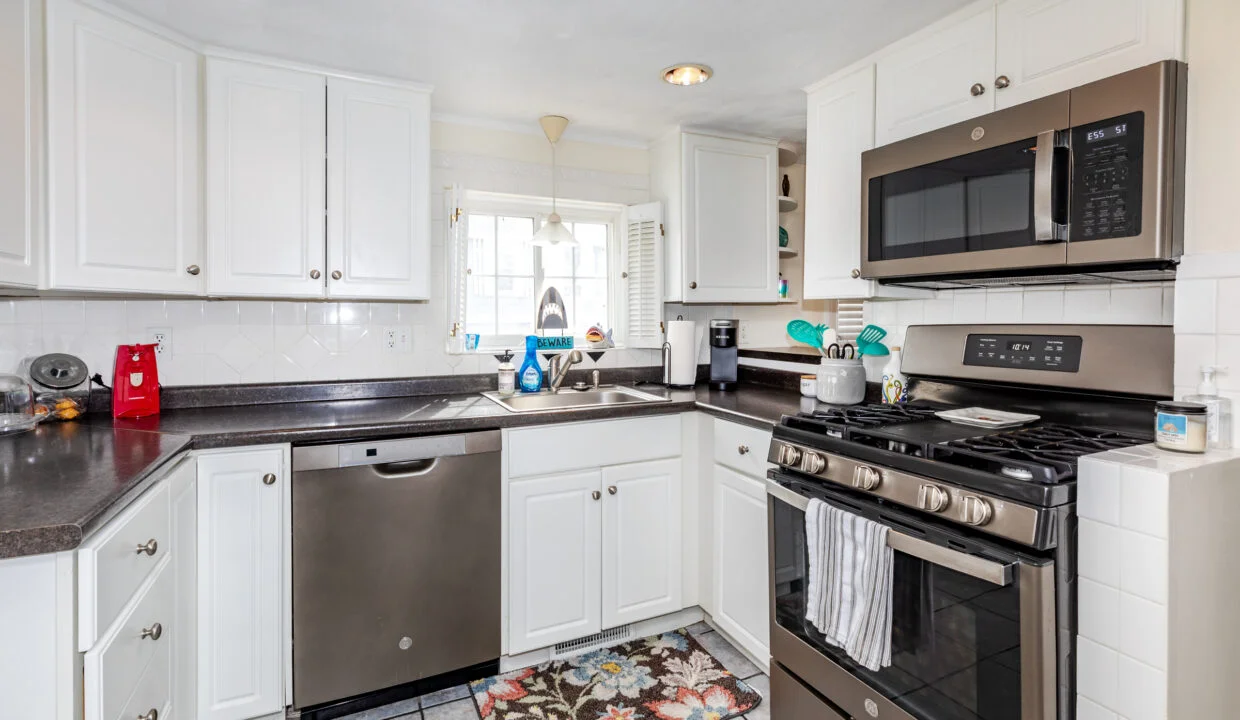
point(988, 570)
point(1044, 188)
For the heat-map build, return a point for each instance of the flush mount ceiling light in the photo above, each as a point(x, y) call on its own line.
point(553, 232)
point(687, 74)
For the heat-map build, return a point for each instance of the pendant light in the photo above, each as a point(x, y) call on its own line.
point(553, 233)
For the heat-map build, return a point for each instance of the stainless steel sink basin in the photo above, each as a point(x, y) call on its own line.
point(569, 399)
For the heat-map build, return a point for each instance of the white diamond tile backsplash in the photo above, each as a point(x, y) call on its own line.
point(1120, 304)
point(228, 341)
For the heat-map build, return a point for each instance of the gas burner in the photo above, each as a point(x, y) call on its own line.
point(837, 422)
point(1044, 453)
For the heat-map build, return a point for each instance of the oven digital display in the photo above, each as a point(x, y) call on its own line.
point(1057, 353)
point(1108, 132)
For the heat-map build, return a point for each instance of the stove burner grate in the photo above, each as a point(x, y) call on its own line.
point(1044, 454)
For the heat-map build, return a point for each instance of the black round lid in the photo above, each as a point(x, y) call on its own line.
point(1181, 408)
point(58, 371)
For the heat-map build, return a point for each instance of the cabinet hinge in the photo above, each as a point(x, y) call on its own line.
point(661, 233)
point(456, 216)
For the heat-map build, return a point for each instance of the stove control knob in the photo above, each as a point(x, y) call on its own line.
point(975, 511)
point(866, 477)
point(932, 498)
point(813, 463)
point(790, 456)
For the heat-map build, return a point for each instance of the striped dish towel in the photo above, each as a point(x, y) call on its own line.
point(848, 594)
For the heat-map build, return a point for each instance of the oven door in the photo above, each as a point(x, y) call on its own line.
point(989, 194)
point(973, 623)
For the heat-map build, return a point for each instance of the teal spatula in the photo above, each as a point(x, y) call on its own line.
point(869, 334)
point(804, 332)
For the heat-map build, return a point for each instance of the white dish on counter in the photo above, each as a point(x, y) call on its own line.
point(981, 417)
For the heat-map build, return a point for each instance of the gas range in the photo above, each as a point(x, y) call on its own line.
point(997, 481)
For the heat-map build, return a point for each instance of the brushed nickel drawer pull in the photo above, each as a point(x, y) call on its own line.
point(150, 547)
point(153, 632)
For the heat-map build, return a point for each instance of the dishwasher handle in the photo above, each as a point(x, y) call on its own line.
point(390, 452)
point(406, 468)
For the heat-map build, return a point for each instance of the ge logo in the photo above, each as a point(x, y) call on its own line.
point(871, 708)
point(978, 133)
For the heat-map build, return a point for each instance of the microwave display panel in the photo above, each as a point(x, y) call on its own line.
point(1106, 178)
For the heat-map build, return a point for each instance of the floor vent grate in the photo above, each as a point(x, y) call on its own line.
point(607, 638)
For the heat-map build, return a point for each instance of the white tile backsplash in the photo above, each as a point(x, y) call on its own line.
point(1098, 613)
point(1097, 672)
point(1143, 500)
point(1120, 304)
point(1143, 630)
point(1141, 691)
point(1098, 551)
point(1196, 304)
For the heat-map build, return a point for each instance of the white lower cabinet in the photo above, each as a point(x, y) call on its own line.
point(555, 574)
point(641, 541)
point(591, 546)
point(243, 521)
point(741, 587)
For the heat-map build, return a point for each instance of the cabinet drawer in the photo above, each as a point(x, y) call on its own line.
point(111, 567)
point(554, 449)
point(116, 665)
point(742, 448)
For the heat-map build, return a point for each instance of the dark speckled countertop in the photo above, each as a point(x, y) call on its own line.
point(62, 481)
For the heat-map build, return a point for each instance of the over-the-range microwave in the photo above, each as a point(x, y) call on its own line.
point(1084, 185)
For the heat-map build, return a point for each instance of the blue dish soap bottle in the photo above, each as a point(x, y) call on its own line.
point(531, 375)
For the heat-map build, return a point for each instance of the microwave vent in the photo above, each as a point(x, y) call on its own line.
point(1092, 278)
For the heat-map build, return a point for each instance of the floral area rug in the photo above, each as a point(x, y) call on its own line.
point(664, 677)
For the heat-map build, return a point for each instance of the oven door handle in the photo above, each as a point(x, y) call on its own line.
point(988, 570)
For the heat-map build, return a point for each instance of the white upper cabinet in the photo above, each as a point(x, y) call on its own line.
point(265, 180)
point(123, 156)
point(1046, 46)
point(21, 102)
point(720, 194)
point(937, 79)
point(378, 190)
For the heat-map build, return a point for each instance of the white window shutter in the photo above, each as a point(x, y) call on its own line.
point(458, 265)
point(849, 319)
point(642, 275)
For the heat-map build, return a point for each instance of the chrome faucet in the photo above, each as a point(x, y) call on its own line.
point(560, 365)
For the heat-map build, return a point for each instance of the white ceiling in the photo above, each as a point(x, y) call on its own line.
point(595, 61)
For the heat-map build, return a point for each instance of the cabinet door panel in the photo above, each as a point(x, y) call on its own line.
point(925, 84)
point(742, 584)
point(841, 127)
point(731, 220)
point(241, 531)
point(378, 140)
point(642, 543)
point(21, 99)
point(554, 561)
point(1093, 39)
point(265, 180)
point(123, 156)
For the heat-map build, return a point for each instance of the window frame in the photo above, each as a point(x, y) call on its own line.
point(539, 208)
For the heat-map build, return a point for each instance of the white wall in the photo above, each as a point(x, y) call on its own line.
point(224, 342)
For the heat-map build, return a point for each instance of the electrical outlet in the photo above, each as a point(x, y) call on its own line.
point(743, 339)
point(395, 339)
point(162, 337)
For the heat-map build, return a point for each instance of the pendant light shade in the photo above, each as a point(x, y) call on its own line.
point(553, 233)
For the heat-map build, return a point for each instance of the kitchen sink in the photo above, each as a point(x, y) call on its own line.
point(569, 399)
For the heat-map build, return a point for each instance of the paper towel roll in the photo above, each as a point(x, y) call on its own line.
point(682, 337)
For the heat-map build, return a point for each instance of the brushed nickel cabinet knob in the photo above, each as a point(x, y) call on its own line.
point(612, 490)
point(315, 274)
point(336, 274)
point(269, 479)
point(855, 273)
point(193, 269)
point(977, 89)
point(151, 714)
point(693, 286)
point(1002, 81)
point(149, 547)
point(153, 632)
point(596, 494)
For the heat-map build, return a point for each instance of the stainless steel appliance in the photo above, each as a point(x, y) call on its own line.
point(723, 353)
point(1086, 185)
point(396, 563)
point(983, 522)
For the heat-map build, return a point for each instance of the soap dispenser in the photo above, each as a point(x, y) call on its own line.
point(1218, 408)
point(530, 377)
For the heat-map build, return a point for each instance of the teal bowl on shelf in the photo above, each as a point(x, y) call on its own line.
point(783, 237)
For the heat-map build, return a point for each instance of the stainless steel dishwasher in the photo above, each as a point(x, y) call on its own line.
point(396, 562)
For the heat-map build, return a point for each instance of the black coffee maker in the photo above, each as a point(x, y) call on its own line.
point(723, 335)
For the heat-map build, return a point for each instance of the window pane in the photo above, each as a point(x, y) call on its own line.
point(516, 254)
point(480, 305)
point(557, 260)
point(591, 304)
point(516, 306)
point(565, 286)
point(481, 259)
point(591, 249)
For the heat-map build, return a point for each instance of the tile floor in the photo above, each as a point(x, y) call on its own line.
point(455, 703)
